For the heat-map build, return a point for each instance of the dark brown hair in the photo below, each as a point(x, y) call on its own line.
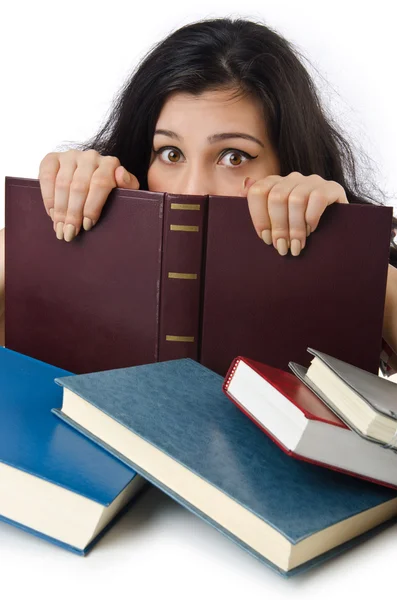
point(247, 57)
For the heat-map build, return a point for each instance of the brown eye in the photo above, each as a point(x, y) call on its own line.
point(168, 154)
point(173, 155)
point(235, 159)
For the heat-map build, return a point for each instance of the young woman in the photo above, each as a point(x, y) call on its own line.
point(219, 107)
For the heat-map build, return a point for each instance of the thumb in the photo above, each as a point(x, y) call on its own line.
point(245, 186)
point(126, 180)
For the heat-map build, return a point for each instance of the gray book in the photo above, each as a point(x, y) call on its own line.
point(365, 402)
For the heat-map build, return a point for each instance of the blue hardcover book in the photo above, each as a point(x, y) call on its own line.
point(54, 482)
point(172, 423)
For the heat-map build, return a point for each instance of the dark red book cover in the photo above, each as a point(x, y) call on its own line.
point(272, 308)
point(91, 304)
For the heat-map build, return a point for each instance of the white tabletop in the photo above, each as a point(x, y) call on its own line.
point(160, 550)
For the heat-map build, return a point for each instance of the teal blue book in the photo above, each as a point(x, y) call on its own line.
point(173, 424)
point(54, 482)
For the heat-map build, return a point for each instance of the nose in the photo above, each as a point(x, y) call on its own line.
point(196, 181)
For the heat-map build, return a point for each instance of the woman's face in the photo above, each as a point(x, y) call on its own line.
point(208, 144)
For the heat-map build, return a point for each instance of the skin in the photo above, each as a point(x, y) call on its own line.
point(187, 159)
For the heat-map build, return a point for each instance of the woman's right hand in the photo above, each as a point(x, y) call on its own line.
point(75, 186)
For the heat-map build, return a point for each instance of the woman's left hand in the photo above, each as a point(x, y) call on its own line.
point(285, 210)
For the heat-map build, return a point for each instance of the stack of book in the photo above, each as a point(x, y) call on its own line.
point(333, 413)
point(141, 362)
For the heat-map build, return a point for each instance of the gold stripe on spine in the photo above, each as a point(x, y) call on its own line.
point(184, 228)
point(182, 275)
point(175, 206)
point(179, 338)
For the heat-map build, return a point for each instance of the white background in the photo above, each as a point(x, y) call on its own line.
point(61, 64)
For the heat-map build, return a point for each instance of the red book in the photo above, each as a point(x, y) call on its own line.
point(302, 426)
point(164, 276)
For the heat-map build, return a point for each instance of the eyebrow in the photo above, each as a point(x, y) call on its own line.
point(213, 138)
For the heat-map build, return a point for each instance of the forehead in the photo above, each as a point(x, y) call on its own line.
point(219, 110)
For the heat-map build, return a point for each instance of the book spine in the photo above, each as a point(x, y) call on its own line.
point(230, 373)
point(181, 277)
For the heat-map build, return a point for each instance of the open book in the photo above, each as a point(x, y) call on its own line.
point(162, 276)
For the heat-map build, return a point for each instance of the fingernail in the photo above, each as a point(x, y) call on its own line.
point(295, 247)
point(308, 230)
point(282, 246)
point(87, 224)
point(59, 230)
point(52, 213)
point(126, 177)
point(69, 232)
point(267, 237)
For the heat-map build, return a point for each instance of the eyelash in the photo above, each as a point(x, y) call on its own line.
point(224, 153)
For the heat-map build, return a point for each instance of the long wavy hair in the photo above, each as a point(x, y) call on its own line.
point(240, 55)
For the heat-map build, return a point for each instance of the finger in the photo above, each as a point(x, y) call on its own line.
point(126, 180)
point(79, 190)
point(102, 182)
point(48, 170)
point(321, 197)
point(63, 180)
point(257, 205)
point(278, 208)
point(297, 205)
